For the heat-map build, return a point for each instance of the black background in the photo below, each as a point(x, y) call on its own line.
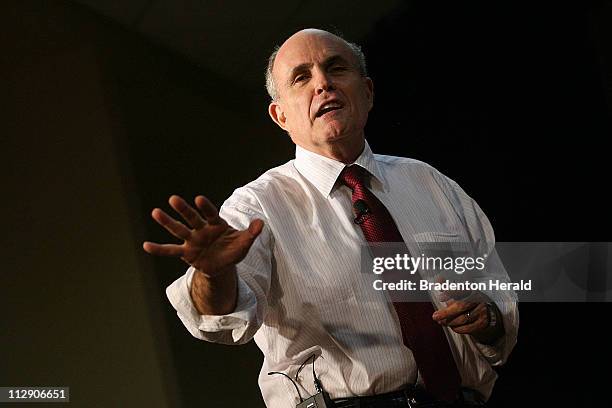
point(509, 99)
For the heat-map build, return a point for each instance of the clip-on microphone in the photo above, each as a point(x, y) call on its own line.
point(361, 210)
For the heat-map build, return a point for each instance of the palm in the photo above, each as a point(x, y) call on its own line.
point(210, 245)
point(216, 247)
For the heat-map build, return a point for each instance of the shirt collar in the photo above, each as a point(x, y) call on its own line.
point(323, 172)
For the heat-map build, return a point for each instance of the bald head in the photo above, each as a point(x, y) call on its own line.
point(320, 94)
point(355, 50)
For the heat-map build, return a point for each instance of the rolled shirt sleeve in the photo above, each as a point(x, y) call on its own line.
point(253, 274)
point(212, 327)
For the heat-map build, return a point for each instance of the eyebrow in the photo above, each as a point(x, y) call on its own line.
point(329, 61)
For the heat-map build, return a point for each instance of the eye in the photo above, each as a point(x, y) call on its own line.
point(338, 68)
point(300, 78)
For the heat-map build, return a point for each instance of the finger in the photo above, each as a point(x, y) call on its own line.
point(469, 317)
point(248, 236)
point(191, 216)
point(455, 308)
point(255, 227)
point(208, 210)
point(479, 324)
point(469, 328)
point(163, 249)
point(170, 224)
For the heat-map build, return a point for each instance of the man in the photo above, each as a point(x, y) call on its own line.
point(279, 262)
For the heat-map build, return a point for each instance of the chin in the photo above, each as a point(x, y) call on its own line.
point(332, 138)
point(334, 131)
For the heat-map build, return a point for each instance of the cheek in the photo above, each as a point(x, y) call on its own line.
point(365, 105)
point(300, 112)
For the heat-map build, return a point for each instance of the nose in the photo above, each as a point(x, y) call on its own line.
point(323, 83)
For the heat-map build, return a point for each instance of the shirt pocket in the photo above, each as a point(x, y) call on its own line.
point(447, 255)
point(441, 243)
point(438, 236)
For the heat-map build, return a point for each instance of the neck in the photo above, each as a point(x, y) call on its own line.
point(341, 152)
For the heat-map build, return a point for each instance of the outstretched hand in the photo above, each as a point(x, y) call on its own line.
point(210, 245)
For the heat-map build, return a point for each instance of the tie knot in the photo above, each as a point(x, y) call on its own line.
point(352, 176)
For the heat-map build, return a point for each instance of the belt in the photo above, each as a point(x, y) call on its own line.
point(411, 397)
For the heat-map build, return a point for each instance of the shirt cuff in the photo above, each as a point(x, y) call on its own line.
point(198, 325)
point(497, 353)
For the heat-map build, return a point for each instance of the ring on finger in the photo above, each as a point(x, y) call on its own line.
point(467, 317)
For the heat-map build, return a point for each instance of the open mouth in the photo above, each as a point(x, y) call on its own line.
point(328, 107)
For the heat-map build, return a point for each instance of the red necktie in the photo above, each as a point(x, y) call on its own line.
point(420, 333)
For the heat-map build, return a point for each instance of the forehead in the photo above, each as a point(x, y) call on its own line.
point(305, 48)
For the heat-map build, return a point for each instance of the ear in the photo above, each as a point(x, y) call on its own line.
point(278, 116)
point(369, 90)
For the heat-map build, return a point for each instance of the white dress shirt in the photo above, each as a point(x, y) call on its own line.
point(297, 291)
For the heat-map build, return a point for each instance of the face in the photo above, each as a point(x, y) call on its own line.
point(322, 98)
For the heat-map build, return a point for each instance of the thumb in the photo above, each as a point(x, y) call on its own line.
point(255, 228)
point(247, 237)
